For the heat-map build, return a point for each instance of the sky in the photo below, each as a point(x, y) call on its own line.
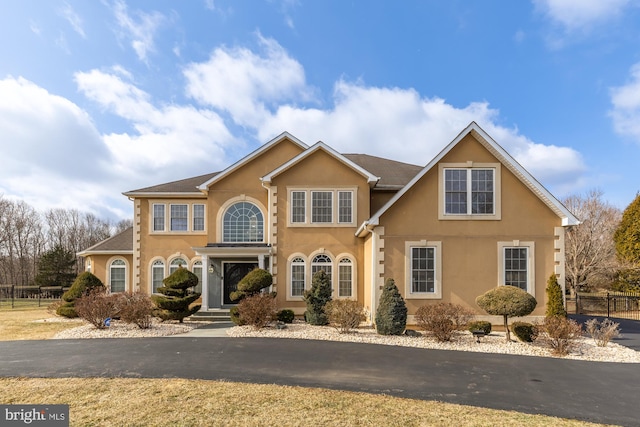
point(102, 97)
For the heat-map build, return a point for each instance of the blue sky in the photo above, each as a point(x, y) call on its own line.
point(102, 97)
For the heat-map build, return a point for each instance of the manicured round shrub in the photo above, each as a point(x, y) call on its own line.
point(507, 301)
point(84, 283)
point(391, 315)
point(286, 316)
point(234, 313)
point(526, 332)
point(176, 299)
point(480, 325)
point(252, 284)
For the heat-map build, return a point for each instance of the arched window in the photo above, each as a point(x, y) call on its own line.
point(345, 278)
point(176, 263)
point(157, 275)
point(297, 277)
point(197, 270)
point(243, 222)
point(117, 276)
point(321, 262)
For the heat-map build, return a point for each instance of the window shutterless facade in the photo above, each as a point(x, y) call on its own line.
point(198, 217)
point(322, 207)
point(345, 278)
point(158, 217)
point(179, 217)
point(176, 263)
point(321, 262)
point(117, 276)
point(469, 191)
point(157, 275)
point(298, 273)
point(423, 269)
point(516, 264)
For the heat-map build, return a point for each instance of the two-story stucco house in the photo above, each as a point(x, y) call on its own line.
point(470, 220)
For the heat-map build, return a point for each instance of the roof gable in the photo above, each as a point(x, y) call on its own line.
point(121, 243)
point(503, 157)
point(255, 154)
point(321, 146)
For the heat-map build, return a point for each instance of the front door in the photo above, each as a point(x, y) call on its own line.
point(233, 272)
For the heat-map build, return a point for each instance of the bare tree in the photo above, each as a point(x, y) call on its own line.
point(589, 248)
point(122, 225)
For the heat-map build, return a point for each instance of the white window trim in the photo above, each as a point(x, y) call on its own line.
point(335, 207)
point(336, 291)
point(408, 288)
point(531, 264)
point(232, 201)
point(167, 217)
point(126, 272)
point(307, 284)
point(173, 258)
point(204, 217)
point(153, 218)
point(165, 266)
point(497, 194)
point(304, 221)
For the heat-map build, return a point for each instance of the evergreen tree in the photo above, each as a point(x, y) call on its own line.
point(555, 302)
point(391, 315)
point(316, 298)
point(84, 283)
point(627, 235)
point(55, 268)
point(176, 298)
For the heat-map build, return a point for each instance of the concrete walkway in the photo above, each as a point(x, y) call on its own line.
point(208, 330)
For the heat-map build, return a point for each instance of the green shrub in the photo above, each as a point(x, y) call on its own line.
point(252, 284)
point(344, 314)
point(286, 316)
point(525, 332)
point(257, 310)
point(234, 313)
point(555, 301)
point(507, 301)
point(316, 298)
point(83, 284)
point(176, 298)
point(391, 315)
point(561, 334)
point(442, 319)
point(480, 325)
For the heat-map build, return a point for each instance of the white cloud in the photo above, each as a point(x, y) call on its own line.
point(266, 91)
point(74, 19)
point(50, 147)
point(167, 136)
point(139, 29)
point(245, 83)
point(626, 106)
point(575, 15)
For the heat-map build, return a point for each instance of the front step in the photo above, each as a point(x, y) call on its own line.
point(210, 316)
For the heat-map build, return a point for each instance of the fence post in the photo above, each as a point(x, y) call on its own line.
point(608, 305)
point(13, 296)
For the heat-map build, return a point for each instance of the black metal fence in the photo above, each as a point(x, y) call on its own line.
point(21, 296)
point(624, 305)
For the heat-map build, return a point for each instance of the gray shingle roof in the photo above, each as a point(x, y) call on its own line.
point(188, 185)
point(392, 174)
point(121, 242)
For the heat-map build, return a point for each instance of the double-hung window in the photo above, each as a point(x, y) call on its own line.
point(298, 206)
point(198, 217)
point(298, 273)
point(322, 206)
point(179, 217)
point(469, 191)
point(515, 267)
point(321, 262)
point(345, 207)
point(158, 217)
point(423, 269)
point(345, 278)
point(117, 276)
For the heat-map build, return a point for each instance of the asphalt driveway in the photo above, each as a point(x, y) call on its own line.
point(590, 391)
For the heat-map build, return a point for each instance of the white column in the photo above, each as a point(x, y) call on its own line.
point(205, 282)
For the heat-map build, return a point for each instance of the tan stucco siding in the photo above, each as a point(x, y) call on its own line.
point(319, 171)
point(100, 267)
point(469, 248)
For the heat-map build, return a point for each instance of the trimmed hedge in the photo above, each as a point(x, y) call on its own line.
point(480, 325)
point(526, 332)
